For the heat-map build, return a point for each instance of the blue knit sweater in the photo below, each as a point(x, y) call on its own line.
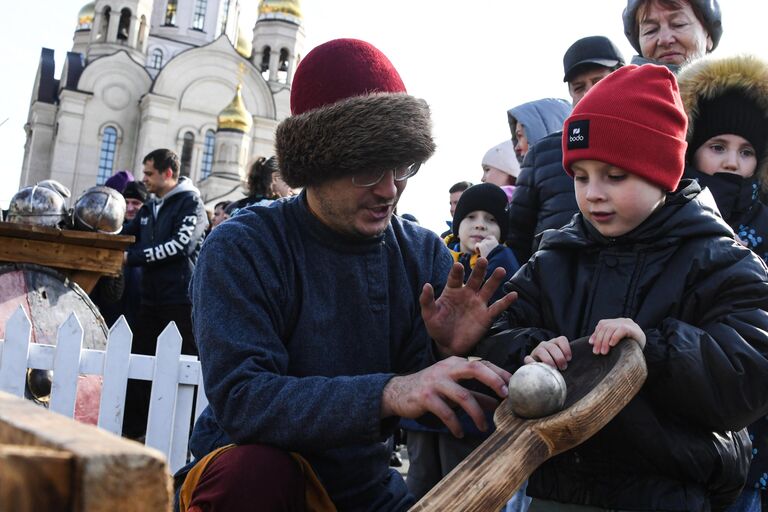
point(299, 330)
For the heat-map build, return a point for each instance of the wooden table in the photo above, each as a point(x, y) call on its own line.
point(83, 256)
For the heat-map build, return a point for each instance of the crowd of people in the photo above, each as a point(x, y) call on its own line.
point(327, 325)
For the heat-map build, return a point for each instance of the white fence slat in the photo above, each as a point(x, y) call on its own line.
point(66, 367)
point(177, 380)
point(116, 363)
point(164, 389)
point(14, 352)
point(180, 435)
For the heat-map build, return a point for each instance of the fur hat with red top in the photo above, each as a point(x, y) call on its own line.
point(632, 119)
point(350, 113)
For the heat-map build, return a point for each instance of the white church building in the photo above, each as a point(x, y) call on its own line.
point(178, 74)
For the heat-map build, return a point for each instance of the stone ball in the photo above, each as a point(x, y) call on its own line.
point(537, 390)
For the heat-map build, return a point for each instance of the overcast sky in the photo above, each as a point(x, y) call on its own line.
point(470, 60)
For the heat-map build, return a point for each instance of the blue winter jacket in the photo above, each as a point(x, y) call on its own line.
point(300, 329)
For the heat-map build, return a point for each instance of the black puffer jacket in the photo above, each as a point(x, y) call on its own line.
point(701, 299)
point(543, 198)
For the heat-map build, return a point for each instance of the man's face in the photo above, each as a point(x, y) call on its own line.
point(358, 212)
point(579, 85)
point(132, 207)
point(157, 182)
point(455, 200)
point(219, 216)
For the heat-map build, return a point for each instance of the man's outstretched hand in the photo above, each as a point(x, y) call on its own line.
point(436, 390)
point(461, 315)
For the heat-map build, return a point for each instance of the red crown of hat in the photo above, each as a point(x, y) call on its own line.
point(351, 113)
point(632, 119)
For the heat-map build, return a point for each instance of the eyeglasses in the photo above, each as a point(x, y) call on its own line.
point(371, 178)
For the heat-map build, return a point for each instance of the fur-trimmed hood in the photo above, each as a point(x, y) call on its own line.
point(370, 132)
point(708, 78)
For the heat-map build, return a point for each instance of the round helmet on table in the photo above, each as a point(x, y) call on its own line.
point(39, 206)
point(100, 209)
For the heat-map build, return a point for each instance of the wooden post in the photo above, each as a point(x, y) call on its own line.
point(110, 474)
point(34, 479)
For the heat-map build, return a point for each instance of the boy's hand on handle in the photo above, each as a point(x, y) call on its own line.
point(609, 332)
point(555, 352)
point(486, 245)
point(436, 389)
point(461, 316)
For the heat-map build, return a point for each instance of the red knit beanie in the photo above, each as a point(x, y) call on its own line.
point(632, 119)
point(341, 69)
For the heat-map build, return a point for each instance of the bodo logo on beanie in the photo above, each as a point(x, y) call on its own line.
point(632, 119)
point(350, 113)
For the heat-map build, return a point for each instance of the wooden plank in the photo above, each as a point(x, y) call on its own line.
point(165, 387)
point(34, 479)
point(87, 279)
point(69, 236)
point(118, 354)
point(66, 367)
point(598, 389)
point(61, 255)
point(112, 474)
point(14, 352)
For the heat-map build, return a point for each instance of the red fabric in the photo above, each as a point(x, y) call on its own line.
point(250, 477)
point(340, 69)
point(636, 122)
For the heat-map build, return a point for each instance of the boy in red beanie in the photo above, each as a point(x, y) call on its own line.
point(644, 259)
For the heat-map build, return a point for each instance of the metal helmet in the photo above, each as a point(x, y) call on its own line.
point(100, 209)
point(39, 206)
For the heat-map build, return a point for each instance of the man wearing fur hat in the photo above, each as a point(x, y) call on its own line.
point(315, 317)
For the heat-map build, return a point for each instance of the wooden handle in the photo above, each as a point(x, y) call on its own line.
point(598, 389)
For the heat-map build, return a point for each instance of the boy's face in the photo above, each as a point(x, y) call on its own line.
point(611, 199)
point(726, 153)
point(475, 227)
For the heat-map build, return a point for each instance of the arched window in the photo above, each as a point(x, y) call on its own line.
point(198, 17)
point(224, 17)
point(124, 25)
point(283, 60)
point(104, 29)
point(107, 154)
point(156, 60)
point(207, 165)
point(265, 56)
point(170, 12)
point(186, 153)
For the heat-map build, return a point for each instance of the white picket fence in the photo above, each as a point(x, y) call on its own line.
point(175, 378)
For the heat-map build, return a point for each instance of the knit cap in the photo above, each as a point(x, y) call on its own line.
point(485, 197)
point(135, 190)
point(632, 119)
point(119, 180)
point(502, 157)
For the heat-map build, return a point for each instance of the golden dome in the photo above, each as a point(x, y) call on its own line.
point(291, 7)
point(235, 116)
point(244, 47)
point(85, 16)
